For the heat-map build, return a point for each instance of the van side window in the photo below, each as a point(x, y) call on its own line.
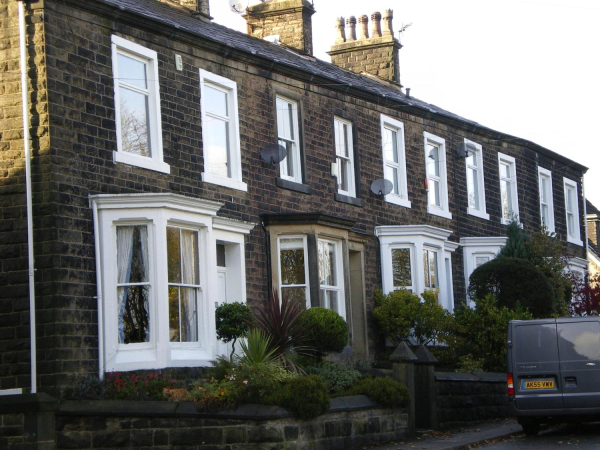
point(535, 343)
point(579, 340)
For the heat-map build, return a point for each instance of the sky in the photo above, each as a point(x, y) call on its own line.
point(529, 68)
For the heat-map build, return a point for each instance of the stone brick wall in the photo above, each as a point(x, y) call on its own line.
point(106, 424)
point(463, 399)
point(70, 52)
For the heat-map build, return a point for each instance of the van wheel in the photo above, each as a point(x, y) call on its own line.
point(531, 428)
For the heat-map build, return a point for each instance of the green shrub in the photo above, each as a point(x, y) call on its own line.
point(232, 322)
point(326, 330)
point(481, 332)
point(337, 377)
point(386, 391)
point(402, 316)
point(306, 396)
point(514, 281)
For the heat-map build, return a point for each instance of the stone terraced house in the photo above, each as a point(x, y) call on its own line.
point(152, 202)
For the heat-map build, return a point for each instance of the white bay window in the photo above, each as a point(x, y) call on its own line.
point(155, 307)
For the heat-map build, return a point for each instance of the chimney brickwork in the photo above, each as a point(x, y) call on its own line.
point(201, 8)
point(288, 19)
point(376, 55)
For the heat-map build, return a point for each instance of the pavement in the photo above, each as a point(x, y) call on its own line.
point(460, 438)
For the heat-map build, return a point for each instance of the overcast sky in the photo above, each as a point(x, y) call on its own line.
point(529, 68)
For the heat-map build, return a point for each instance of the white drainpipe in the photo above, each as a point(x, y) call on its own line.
point(25, 102)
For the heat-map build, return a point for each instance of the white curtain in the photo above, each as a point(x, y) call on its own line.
point(189, 248)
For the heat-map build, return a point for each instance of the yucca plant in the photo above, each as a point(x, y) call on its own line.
point(280, 320)
point(257, 349)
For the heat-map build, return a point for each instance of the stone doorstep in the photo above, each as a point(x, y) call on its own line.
point(127, 408)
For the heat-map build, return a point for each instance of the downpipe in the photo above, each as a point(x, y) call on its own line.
point(27, 150)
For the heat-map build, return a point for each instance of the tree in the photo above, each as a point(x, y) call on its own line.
point(586, 296)
point(516, 244)
point(232, 322)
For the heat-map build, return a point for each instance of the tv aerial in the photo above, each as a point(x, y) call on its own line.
point(382, 187)
point(238, 6)
point(273, 153)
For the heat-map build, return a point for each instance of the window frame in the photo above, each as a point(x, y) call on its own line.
point(478, 150)
point(569, 184)
point(411, 250)
point(297, 154)
point(149, 57)
point(306, 265)
point(514, 193)
point(443, 210)
point(351, 166)
point(547, 175)
point(158, 212)
point(234, 156)
point(394, 125)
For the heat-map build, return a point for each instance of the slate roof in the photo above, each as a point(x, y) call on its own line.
point(182, 19)
point(590, 208)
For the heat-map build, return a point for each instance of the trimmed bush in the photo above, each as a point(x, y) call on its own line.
point(337, 377)
point(514, 281)
point(232, 322)
point(386, 391)
point(326, 330)
point(306, 396)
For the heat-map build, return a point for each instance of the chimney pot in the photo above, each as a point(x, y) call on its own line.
point(363, 21)
point(388, 15)
point(351, 22)
point(340, 31)
point(376, 19)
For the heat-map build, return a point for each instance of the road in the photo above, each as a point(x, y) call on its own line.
point(582, 436)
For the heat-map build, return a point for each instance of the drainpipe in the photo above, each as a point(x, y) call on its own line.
point(27, 148)
point(585, 238)
point(99, 291)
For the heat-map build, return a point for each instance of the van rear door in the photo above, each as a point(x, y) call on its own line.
point(579, 348)
point(535, 365)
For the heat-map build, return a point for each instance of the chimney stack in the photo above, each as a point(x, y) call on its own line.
point(376, 55)
point(288, 19)
point(200, 8)
point(341, 30)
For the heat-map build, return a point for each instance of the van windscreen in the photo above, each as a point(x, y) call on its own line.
point(535, 343)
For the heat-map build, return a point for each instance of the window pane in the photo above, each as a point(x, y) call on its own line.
point(434, 192)
point(579, 341)
point(390, 149)
point(327, 264)
point(480, 260)
point(174, 314)
point(473, 188)
point(571, 224)
point(506, 199)
point(292, 261)
point(471, 158)
point(504, 170)
point(221, 262)
point(216, 146)
point(133, 109)
point(174, 255)
point(545, 215)
point(132, 254)
point(433, 163)
point(132, 71)
point(215, 101)
point(329, 299)
point(189, 317)
point(569, 200)
point(391, 173)
point(401, 269)
point(189, 253)
point(343, 167)
point(433, 269)
point(543, 190)
point(288, 162)
point(294, 293)
point(134, 314)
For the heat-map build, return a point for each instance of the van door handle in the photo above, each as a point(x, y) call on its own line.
point(570, 381)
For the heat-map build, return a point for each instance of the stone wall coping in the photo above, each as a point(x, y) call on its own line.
point(473, 377)
point(27, 403)
point(128, 408)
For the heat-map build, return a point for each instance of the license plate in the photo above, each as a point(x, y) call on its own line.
point(539, 384)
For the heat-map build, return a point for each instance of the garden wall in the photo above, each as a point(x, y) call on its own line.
point(352, 422)
point(464, 398)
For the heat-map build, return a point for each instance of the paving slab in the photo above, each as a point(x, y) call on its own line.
point(459, 438)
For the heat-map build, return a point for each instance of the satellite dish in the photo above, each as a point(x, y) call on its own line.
point(273, 153)
point(238, 6)
point(382, 187)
